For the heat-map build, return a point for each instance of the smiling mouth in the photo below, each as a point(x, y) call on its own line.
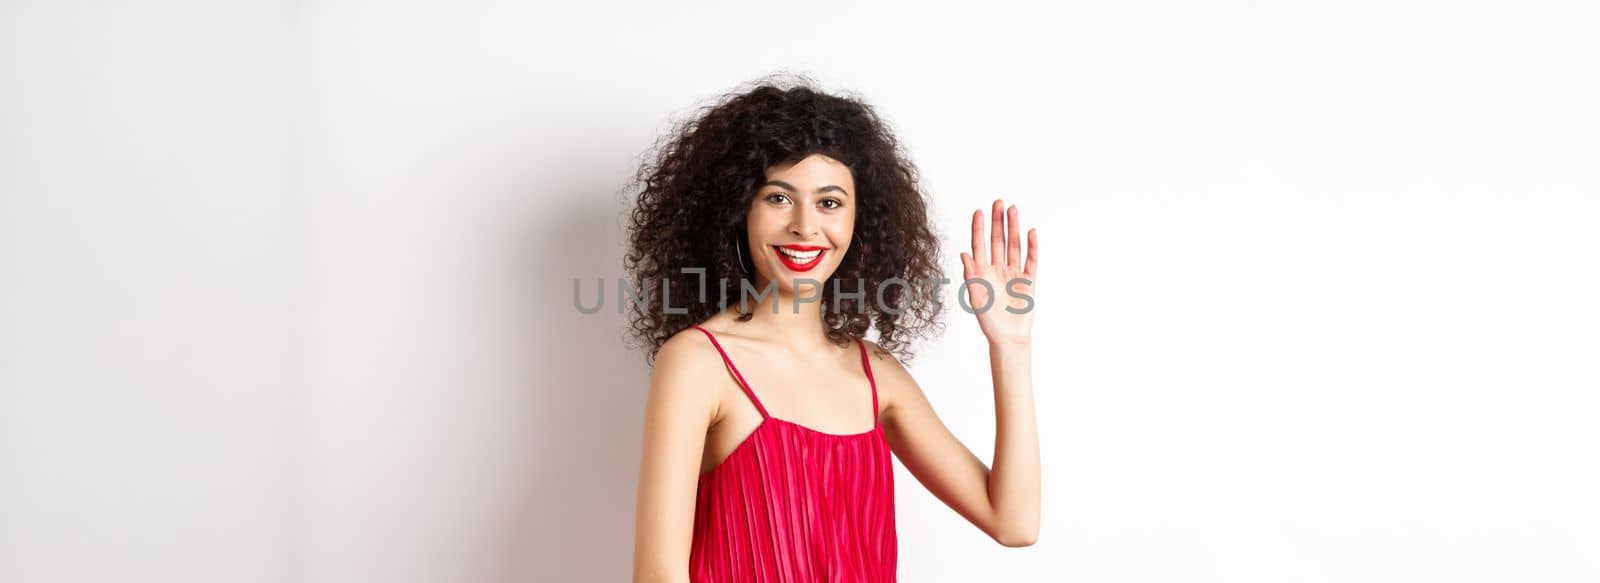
point(799, 257)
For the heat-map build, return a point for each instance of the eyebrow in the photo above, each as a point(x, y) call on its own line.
point(828, 188)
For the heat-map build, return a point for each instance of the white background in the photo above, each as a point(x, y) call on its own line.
point(287, 285)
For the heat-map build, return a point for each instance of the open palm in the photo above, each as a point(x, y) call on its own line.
point(997, 259)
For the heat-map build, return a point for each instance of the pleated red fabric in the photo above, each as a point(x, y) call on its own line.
point(792, 504)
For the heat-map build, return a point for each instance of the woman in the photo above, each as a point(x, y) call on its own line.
point(771, 231)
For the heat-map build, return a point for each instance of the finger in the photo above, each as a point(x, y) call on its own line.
point(1013, 238)
point(997, 233)
point(966, 267)
point(978, 248)
point(1033, 253)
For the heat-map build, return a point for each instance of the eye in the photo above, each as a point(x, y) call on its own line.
point(770, 197)
point(836, 203)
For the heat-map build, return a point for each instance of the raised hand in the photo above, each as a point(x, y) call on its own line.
point(997, 259)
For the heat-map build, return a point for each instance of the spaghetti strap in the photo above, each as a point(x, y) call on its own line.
point(866, 363)
point(746, 386)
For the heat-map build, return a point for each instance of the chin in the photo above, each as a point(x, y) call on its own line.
point(787, 280)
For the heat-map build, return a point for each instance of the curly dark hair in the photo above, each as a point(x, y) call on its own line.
point(695, 188)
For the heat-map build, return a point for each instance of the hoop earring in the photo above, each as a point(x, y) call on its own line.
point(738, 248)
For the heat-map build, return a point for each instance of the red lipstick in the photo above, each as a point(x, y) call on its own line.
point(800, 264)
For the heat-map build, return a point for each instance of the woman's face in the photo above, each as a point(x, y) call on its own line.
point(800, 222)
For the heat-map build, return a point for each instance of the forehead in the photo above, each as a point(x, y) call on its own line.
point(816, 168)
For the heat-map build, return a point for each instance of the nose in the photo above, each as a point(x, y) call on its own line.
point(803, 224)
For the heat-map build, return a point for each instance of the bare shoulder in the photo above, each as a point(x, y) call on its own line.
point(683, 349)
point(893, 379)
point(683, 369)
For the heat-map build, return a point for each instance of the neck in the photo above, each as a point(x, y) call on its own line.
point(778, 316)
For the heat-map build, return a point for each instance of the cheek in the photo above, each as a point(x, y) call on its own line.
point(842, 234)
point(757, 221)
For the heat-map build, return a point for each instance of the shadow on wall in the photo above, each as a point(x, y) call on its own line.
point(575, 520)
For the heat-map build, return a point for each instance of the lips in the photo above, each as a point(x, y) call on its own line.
point(799, 264)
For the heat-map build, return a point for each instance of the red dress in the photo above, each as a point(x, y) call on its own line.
point(792, 504)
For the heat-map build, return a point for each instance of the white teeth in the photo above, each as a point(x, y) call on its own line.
point(801, 256)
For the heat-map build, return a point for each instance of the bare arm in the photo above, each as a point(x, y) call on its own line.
point(679, 409)
point(1002, 502)
point(1014, 481)
point(1005, 501)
